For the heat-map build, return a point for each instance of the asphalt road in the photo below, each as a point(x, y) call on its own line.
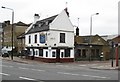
point(53, 71)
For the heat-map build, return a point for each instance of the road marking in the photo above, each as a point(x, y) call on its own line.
point(67, 73)
point(82, 65)
point(94, 76)
point(23, 68)
point(5, 74)
point(75, 74)
point(37, 70)
point(31, 69)
point(25, 78)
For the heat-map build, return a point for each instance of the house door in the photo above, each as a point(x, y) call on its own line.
point(58, 55)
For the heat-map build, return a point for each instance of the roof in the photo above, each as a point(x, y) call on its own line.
point(21, 36)
point(116, 39)
point(109, 37)
point(21, 24)
point(95, 40)
point(41, 25)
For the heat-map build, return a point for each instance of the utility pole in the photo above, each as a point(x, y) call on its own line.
point(112, 49)
point(11, 29)
point(90, 39)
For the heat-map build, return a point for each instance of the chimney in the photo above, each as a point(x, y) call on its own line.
point(77, 31)
point(66, 10)
point(7, 22)
point(36, 17)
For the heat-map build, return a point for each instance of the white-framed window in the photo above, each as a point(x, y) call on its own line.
point(62, 53)
point(41, 52)
point(31, 52)
point(29, 38)
point(62, 37)
point(46, 53)
point(36, 52)
point(35, 38)
point(53, 53)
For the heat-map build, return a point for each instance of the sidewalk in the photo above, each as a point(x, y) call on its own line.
point(20, 60)
point(99, 65)
point(104, 67)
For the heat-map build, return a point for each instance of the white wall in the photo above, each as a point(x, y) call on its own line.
point(54, 38)
point(33, 40)
point(62, 22)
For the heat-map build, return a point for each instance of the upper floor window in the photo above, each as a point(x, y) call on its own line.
point(36, 38)
point(42, 38)
point(29, 39)
point(62, 37)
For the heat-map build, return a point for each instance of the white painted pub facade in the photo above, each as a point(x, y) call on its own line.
point(51, 39)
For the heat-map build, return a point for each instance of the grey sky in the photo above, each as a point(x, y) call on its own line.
point(104, 23)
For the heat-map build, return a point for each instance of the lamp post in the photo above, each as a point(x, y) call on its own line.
point(11, 29)
point(90, 40)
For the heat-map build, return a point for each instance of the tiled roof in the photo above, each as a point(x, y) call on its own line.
point(41, 25)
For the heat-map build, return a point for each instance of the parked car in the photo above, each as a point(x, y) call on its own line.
point(5, 55)
point(5, 51)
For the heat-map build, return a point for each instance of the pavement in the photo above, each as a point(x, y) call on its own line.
point(98, 65)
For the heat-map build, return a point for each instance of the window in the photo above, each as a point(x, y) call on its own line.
point(62, 37)
point(42, 38)
point(40, 52)
point(29, 39)
point(67, 52)
point(46, 53)
point(84, 53)
point(53, 53)
point(36, 52)
point(36, 38)
point(62, 54)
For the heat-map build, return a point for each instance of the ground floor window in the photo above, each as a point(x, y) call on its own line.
point(31, 52)
point(87, 53)
point(46, 53)
point(41, 52)
point(53, 54)
point(62, 53)
point(97, 53)
point(67, 52)
point(83, 53)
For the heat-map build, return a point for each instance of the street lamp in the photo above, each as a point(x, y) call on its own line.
point(11, 29)
point(90, 40)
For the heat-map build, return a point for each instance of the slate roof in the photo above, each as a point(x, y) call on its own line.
point(41, 25)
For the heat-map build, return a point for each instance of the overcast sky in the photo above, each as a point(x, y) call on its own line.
point(104, 23)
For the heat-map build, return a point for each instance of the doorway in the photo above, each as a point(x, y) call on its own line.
point(58, 55)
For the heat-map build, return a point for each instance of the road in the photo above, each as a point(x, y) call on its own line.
point(53, 71)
